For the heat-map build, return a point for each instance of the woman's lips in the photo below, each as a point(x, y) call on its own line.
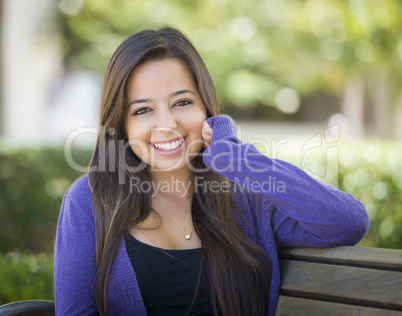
point(165, 148)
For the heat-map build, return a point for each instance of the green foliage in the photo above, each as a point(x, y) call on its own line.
point(253, 50)
point(372, 172)
point(32, 184)
point(26, 277)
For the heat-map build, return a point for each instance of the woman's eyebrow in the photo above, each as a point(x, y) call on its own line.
point(173, 94)
point(140, 101)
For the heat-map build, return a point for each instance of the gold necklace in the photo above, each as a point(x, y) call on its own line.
point(187, 236)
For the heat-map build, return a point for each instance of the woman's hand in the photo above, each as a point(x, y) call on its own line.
point(206, 133)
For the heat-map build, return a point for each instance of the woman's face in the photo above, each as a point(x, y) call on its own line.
point(165, 114)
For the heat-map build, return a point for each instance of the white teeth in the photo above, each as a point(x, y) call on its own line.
point(169, 146)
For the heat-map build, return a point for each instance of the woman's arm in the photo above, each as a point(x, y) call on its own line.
point(74, 254)
point(306, 212)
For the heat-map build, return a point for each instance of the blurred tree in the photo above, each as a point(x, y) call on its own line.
point(359, 43)
point(270, 53)
point(1, 69)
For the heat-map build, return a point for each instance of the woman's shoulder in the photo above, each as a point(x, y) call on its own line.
point(79, 195)
point(80, 189)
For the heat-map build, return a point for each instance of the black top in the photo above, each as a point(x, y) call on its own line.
point(168, 279)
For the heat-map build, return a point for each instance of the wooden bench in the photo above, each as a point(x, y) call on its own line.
point(340, 281)
point(315, 281)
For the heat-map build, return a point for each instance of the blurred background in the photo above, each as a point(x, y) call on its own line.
point(320, 82)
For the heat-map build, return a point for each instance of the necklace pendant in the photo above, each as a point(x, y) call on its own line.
point(187, 236)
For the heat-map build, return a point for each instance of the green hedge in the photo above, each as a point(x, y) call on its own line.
point(25, 276)
point(33, 182)
point(372, 172)
point(32, 185)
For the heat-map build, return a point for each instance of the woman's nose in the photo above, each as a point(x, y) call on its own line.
point(166, 120)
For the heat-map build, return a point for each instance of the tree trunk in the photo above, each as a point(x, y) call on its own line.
point(352, 106)
point(1, 69)
point(381, 116)
point(397, 118)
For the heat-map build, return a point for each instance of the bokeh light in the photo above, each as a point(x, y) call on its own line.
point(287, 100)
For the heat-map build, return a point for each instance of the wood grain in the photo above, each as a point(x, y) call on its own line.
point(345, 284)
point(363, 256)
point(306, 307)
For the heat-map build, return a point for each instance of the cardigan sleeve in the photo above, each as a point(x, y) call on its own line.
point(74, 254)
point(303, 210)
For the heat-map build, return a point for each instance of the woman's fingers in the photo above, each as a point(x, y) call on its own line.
point(206, 133)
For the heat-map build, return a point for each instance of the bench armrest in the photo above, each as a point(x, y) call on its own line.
point(28, 307)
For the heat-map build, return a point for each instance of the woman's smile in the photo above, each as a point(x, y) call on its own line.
point(170, 147)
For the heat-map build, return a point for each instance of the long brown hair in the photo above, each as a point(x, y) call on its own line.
point(239, 270)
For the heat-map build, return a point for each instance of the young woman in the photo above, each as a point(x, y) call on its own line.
point(176, 216)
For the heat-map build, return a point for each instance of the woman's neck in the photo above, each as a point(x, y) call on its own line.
point(178, 183)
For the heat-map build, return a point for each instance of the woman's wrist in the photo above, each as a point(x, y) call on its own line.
point(222, 126)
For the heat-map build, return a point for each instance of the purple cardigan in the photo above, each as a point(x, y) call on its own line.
point(282, 204)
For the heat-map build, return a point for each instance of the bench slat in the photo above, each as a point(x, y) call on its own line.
point(364, 256)
point(344, 284)
point(306, 307)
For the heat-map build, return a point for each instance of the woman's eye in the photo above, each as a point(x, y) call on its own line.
point(141, 111)
point(183, 102)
